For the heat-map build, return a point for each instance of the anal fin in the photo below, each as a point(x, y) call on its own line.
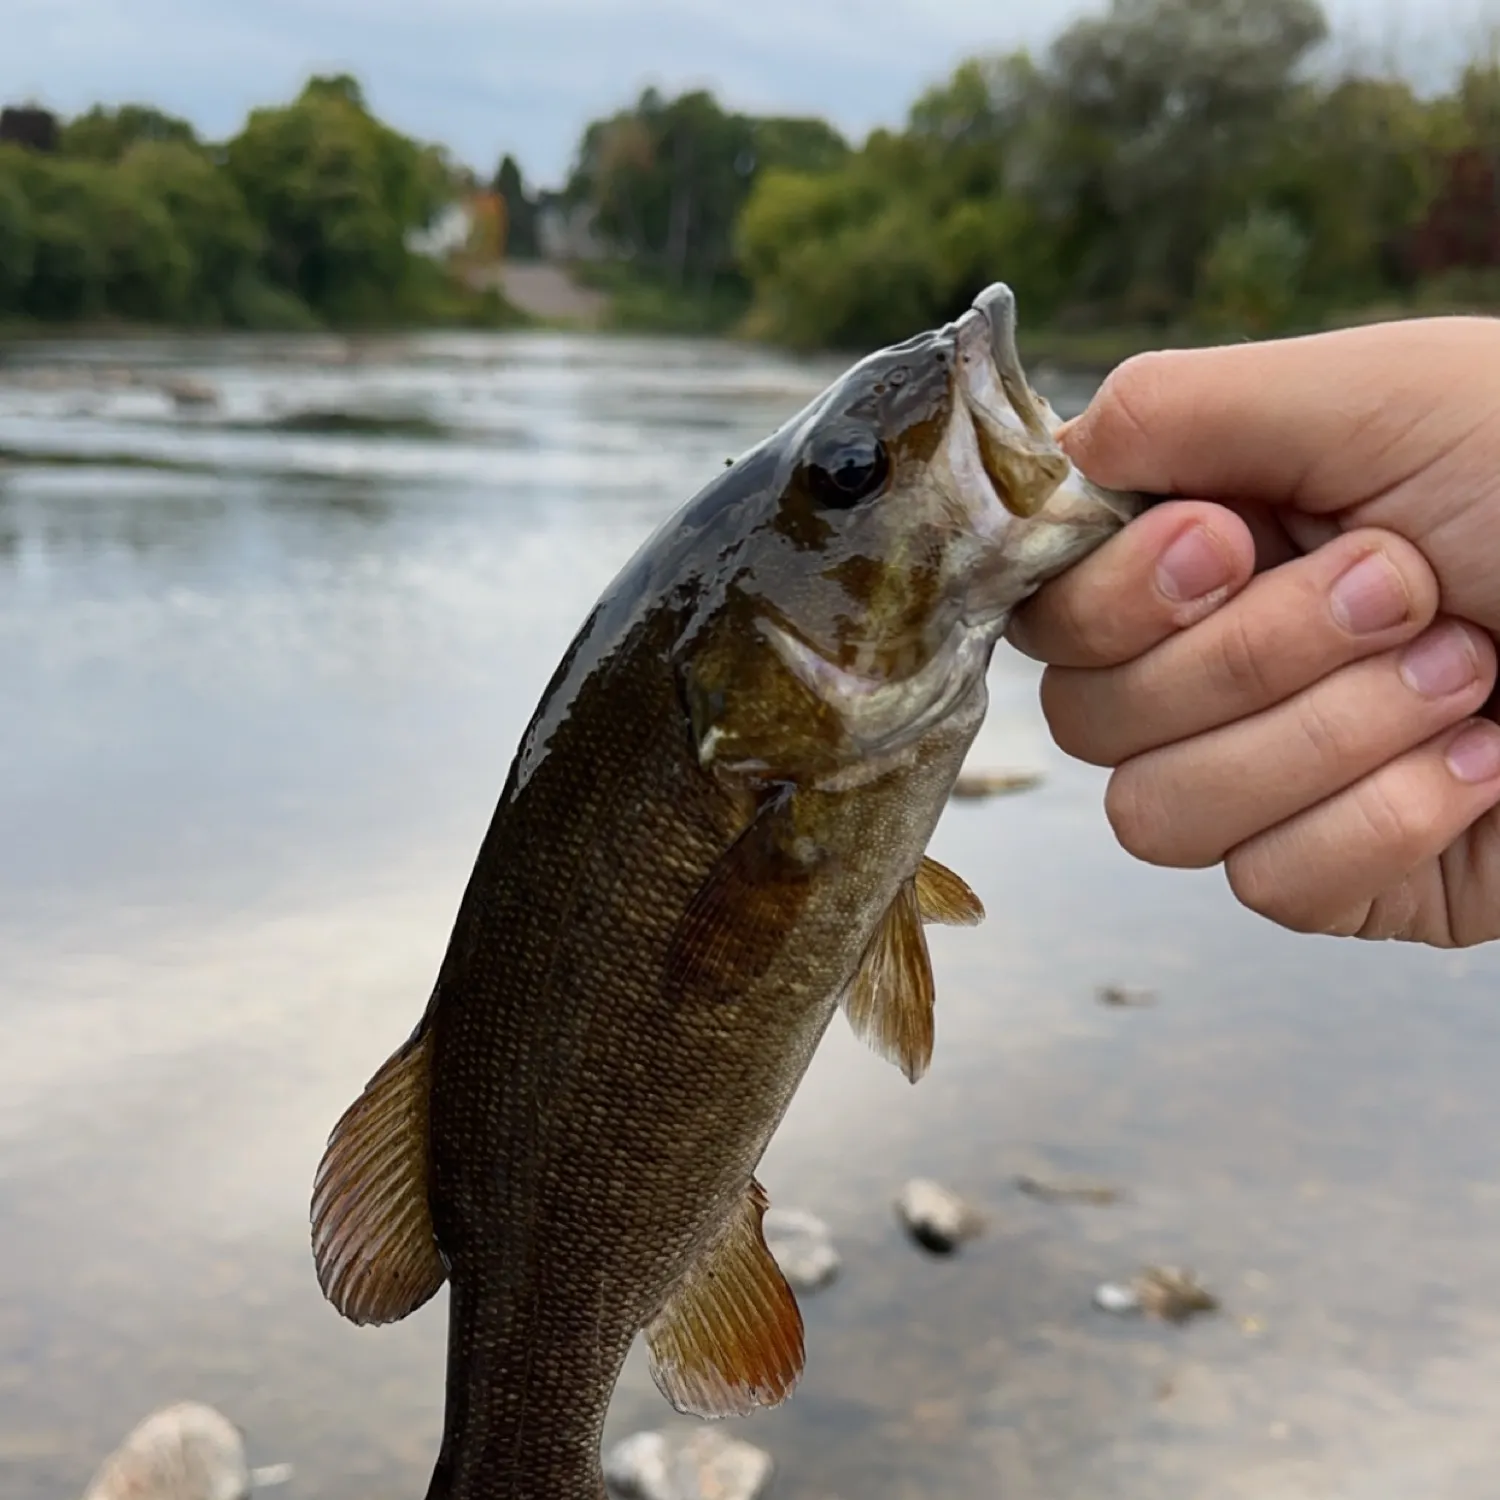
point(373, 1244)
point(729, 1339)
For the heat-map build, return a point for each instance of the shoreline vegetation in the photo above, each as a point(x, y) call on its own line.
point(1165, 173)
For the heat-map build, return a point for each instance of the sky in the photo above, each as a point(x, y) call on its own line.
point(489, 76)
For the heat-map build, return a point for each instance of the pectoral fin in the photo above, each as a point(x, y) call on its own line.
point(730, 932)
point(730, 1337)
point(889, 1002)
point(373, 1244)
point(944, 898)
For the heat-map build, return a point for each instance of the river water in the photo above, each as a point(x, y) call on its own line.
point(263, 663)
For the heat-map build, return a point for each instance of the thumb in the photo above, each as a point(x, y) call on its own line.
point(1320, 422)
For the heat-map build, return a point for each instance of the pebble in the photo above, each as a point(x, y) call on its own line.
point(1126, 997)
point(697, 1465)
point(803, 1247)
point(1163, 1291)
point(1117, 1299)
point(184, 1452)
point(935, 1217)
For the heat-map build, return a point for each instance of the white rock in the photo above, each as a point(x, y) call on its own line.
point(696, 1465)
point(184, 1452)
point(1117, 1299)
point(938, 1219)
point(803, 1247)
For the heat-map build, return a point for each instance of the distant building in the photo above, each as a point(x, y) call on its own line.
point(447, 234)
point(27, 125)
point(565, 231)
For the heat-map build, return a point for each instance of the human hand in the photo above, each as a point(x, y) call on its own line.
point(1311, 721)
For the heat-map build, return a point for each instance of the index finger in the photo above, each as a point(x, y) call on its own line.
point(1320, 422)
point(1167, 569)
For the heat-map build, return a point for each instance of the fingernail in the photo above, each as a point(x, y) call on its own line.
point(1192, 567)
point(1475, 755)
point(1369, 597)
point(1441, 662)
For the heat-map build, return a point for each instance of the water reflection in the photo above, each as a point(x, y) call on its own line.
point(263, 675)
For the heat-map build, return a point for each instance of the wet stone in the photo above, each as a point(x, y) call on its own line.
point(936, 1217)
point(184, 1452)
point(803, 1248)
point(695, 1465)
point(1122, 1301)
point(1165, 1292)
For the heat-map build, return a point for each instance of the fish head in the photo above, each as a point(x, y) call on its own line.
point(896, 524)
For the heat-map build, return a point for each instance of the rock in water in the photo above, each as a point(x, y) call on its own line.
point(937, 1219)
point(803, 1247)
point(1117, 1299)
point(701, 1465)
point(184, 1452)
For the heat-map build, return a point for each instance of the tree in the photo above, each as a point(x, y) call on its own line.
point(105, 135)
point(337, 193)
point(1160, 111)
point(520, 211)
point(667, 179)
point(17, 232)
point(209, 217)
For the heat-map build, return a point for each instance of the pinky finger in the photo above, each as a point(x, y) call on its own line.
point(1310, 872)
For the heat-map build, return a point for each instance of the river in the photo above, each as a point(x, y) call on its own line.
point(265, 652)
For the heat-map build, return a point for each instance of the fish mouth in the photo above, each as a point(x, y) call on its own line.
point(1016, 428)
point(1037, 513)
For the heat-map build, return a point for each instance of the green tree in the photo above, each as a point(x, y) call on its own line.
point(1252, 274)
point(520, 210)
point(17, 232)
point(210, 219)
point(337, 193)
point(105, 135)
point(1160, 112)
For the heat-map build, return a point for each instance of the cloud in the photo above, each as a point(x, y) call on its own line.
point(487, 76)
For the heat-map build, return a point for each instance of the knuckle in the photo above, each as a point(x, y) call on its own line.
point(1064, 694)
point(1138, 815)
point(1328, 731)
point(1394, 815)
point(1241, 663)
point(1259, 885)
point(1128, 401)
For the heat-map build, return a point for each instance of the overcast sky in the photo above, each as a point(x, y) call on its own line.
point(486, 76)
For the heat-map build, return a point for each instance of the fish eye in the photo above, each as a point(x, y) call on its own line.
point(847, 467)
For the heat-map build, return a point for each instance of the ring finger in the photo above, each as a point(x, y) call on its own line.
point(1188, 804)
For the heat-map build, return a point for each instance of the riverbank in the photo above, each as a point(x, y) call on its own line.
point(610, 298)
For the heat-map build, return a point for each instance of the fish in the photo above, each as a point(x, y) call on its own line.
point(712, 837)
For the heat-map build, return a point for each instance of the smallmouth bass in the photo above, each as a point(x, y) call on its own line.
point(712, 837)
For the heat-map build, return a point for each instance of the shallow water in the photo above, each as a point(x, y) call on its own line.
point(263, 665)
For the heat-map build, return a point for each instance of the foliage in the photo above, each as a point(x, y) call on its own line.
point(666, 181)
point(1168, 164)
point(303, 218)
point(520, 211)
point(1165, 169)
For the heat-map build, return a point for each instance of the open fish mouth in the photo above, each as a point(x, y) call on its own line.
point(1014, 427)
point(1043, 513)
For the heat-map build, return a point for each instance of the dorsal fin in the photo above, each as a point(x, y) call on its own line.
point(729, 1339)
point(945, 898)
point(889, 1002)
point(373, 1244)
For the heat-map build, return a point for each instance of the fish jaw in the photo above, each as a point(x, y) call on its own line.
point(1034, 514)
